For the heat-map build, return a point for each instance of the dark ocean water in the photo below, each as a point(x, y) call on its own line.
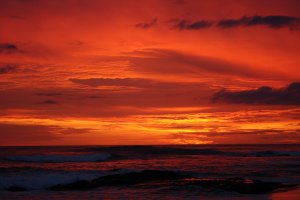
point(37, 169)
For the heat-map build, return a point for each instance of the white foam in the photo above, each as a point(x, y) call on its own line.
point(60, 158)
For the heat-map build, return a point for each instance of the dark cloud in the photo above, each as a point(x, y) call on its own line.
point(289, 95)
point(8, 48)
point(187, 25)
point(49, 94)
point(257, 136)
point(107, 101)
point(144, 86)
point(49, 102)
point(29, 134)
point(128, 82)
point(94, 97)
point(146, 25)
point(272, 21)
point(170, 62)
point(16, 17)
point(76, 43)
point(5, 69)
point(72, 131)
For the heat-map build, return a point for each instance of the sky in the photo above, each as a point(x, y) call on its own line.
point(129, 72)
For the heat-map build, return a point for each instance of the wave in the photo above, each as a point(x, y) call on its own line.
point(40, 180)
point(160, 178)
point(59, 158)
point(88, 180)
point(273, 153)
point(142, 151)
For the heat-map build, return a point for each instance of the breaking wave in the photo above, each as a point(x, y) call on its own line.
point(44, 179)
point(59, 158)
point(274, 153)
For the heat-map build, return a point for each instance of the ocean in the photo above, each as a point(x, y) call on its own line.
point(150, 172)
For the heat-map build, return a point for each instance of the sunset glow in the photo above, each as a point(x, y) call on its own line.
point(118, 72)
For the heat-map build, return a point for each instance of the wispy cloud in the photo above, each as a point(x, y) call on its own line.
point(272, 21)
point(49, 102)
point(49, 94)
point(191, 25)
point(8, 48)
point(147, 25)
point(129, 82)
point(27, 134)
point(170, 62)
point(5, 69)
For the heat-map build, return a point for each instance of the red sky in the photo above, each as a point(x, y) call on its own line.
point(149, 72)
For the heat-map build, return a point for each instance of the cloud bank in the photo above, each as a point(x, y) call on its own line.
point(8, 48)
point(272, 21)
point(289, 95)
point(196, 25)
point(5, 69)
